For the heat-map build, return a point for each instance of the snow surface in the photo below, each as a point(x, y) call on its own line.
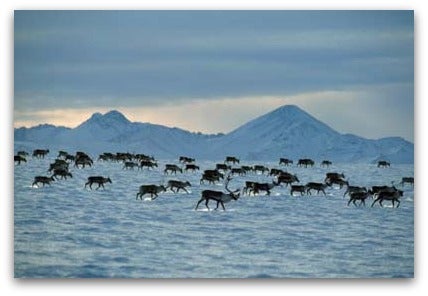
point(285, 132)
point(65, 230)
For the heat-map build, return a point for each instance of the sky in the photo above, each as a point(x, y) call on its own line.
point(212, 71)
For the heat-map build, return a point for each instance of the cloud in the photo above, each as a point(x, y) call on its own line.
point(371, 112)
point(215, 62)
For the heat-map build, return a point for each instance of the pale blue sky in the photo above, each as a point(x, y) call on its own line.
point(350, 69)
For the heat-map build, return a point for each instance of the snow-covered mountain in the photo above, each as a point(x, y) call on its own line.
point(285, 132)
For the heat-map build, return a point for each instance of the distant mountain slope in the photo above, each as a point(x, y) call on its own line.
point(291, 132)
point(285, 132)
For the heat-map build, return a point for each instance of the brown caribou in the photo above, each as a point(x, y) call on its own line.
point(262, 187)
point(173, 168)
point(354, 189)
point(191, 167)
point(185, 159)
point(19, 159)
point(410, 180)
point(99, 180)
point(387, 195)
point(285, 161)
point(147, 163)
point(315, 186)
point(298, 188)
point(305, 162)
point(219, 196)
point(383, 164)
point(260, 168)
point(358, 195)
point(151, 189)
point(178, 184)
point(326, 163)
point(63, 173)
point(40, 153)
point(42, 179)
point(287, 178)
point(231, 159)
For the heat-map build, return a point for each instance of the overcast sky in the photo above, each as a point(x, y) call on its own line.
point(212, 71)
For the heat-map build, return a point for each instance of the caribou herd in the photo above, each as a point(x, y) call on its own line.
point(225, 171)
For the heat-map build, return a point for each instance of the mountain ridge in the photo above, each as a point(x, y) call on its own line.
point(287, 131)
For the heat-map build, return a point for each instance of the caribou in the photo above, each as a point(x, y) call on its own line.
point(152, 189)
point(326, 163)
point(354, 189)
point(211, 176)
point(147, 163)
point(19, 159)
point(276, 172)
point(285, 161)
point(83, 162)
point(129, 165)
point(191, 167)
point(223, 167)
point(173, 168)
point(58, 164)
point(40, 153)
point(383, 164)
point(262, 187)
point(388, 195)
point(358, 195)
point(231, 159)
point(42, 179)
point(315, 186)
point(178, 184)
point(410, 180)
point(287, 178)
point(333, 176)
point(22, 153)
point(62, 154)
point(219, 196)
point(63, 173)
point(248, 186)
point(185, 159)
point(305, 162)
point(260, 168)
point(298, 188)
point(337, 181)
point(238, 171)
point(99, 180)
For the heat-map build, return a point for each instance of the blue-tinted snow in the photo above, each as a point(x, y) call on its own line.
point(65, 230)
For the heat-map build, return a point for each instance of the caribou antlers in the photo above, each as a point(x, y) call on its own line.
point(219, 196)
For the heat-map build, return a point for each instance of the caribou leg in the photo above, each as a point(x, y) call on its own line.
point(197, 205)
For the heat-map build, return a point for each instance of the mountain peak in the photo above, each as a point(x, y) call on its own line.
point(290, 110)
point(112, 118)
point(116, 116)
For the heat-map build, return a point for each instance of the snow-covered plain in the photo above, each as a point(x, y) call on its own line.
point(65, 230)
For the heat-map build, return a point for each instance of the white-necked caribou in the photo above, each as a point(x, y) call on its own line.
point(219, 196)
